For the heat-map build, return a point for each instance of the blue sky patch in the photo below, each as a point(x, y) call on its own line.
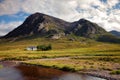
point(104, 1)
point(95, 6)
point(78, 9)
point(20, 16)
point(1, 1)
point(117, 6)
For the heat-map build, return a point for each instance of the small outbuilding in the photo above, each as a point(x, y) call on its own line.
point(31, 48)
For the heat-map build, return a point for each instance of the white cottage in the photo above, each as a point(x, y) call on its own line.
point(31, 48)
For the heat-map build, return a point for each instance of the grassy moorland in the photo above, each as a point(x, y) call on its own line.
point(83, 54)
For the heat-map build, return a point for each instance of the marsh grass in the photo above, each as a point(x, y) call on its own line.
point(76, 64)
point(1, 66)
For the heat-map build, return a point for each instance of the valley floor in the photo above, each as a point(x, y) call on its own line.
point(89, 57)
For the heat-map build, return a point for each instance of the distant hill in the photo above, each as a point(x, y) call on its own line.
point(43, 25)
point(116, 33)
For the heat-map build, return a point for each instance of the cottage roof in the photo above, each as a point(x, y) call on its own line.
point(31, 47)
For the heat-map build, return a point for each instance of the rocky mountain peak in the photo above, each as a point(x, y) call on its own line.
point(87, 28)
point(45, 25)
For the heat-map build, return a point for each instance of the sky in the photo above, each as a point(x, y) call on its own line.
point(106, 13)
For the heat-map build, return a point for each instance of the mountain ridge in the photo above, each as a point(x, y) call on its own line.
point(34, 24)
point(87, 28)
point(51, 27)
point(116, 33)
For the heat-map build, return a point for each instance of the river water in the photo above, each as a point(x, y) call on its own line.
point(12, 71)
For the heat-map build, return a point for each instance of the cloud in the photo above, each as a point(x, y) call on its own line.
point(97, 11)
point(112, 3)
point(7, 27)
point(8, 7)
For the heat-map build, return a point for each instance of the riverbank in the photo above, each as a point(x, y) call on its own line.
point(23, 71)
point(94, 68)
point(101, 74)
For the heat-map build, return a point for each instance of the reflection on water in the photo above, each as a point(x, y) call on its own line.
point(24, 72)
point(73, 76)
point(10, 74)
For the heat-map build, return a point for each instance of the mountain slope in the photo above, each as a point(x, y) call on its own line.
point(39, 24)
point(116, 33)
point(43, 25)
point(87, 29)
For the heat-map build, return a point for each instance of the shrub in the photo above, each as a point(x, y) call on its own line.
point(44, 47)
point(115, 72)
point(67, 68)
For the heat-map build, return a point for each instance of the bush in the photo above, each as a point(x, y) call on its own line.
point(44, 47)
point(67, 68)
point(115, 72)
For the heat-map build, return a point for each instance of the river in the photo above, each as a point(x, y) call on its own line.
point(13, 71)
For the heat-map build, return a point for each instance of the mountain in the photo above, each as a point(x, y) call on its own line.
point(87, 29)
point(39, 24)
point(42, 25)
point(116, 33)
